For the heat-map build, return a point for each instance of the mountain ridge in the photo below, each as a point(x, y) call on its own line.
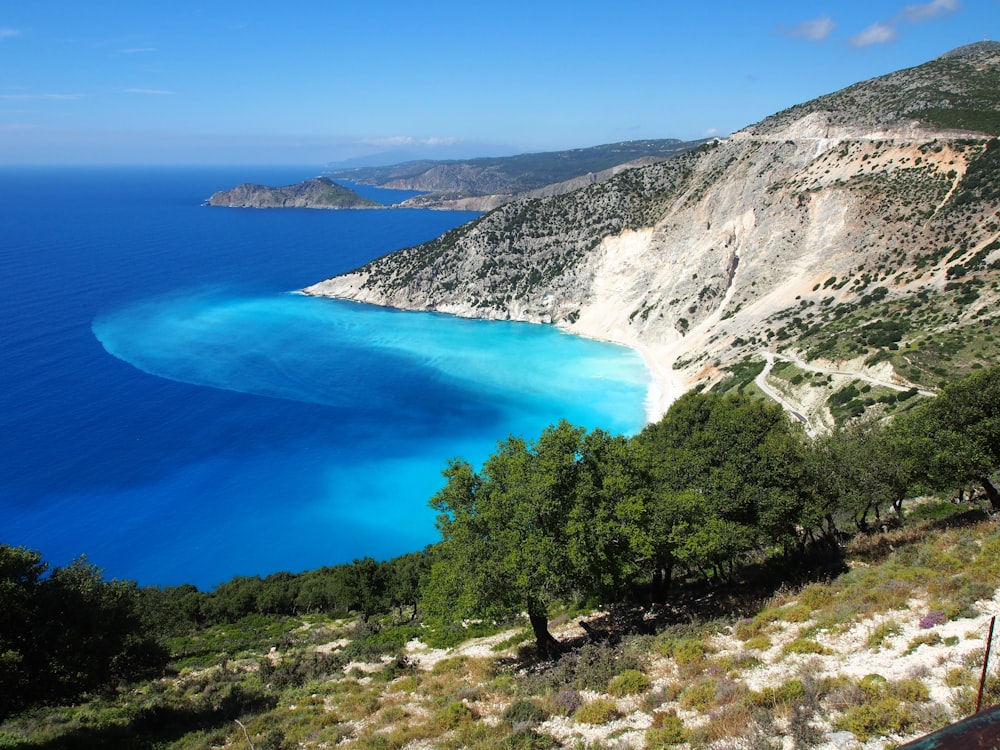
point(485, 183)
point(849, 209)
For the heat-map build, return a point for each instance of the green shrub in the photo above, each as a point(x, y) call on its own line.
point(398, 667)
point(589, 668)
point(958, 677)
point(734, 664)
point(629, 682)
point(780, 697)
point(804, 646)
point(911, 689)
point(699, 696)
point(528, 739)
point(881, 633)
point(748, 628)
point(371, 644)
point(685, 651)
point(758, 643)
point(597, 711)
point(876, 718)
point(874, 685)
point(796, 613)
point(524, 712)
point(520, 637)
point(667, 731)
point(932, 511)
point(815, 596)
point(452, 636)
point(452, 716)
point(930, 639)
point(964, 700)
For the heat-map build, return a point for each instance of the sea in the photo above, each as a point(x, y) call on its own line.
point(173, 409)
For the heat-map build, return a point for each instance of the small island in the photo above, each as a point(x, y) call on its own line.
point(318, 192)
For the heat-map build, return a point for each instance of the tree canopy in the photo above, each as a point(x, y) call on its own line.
point(66, 631)
point(956, 436)
point(717, 483)
point(506, 538)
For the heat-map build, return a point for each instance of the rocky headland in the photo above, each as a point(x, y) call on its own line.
point(319, 192)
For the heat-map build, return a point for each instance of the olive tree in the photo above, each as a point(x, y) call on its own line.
point(506, 542)
point(956, 436)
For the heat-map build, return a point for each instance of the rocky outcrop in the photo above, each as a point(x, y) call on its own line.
point(804, 231)
point(319, 192)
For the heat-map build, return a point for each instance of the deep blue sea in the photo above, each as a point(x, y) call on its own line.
point(171, 408)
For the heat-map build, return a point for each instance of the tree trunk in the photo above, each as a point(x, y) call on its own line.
point(832, 532)
point(659, 586)
point(991, 493)
point(548, 647)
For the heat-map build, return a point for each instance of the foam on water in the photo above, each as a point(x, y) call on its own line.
point(407, 388)
point(343, 354)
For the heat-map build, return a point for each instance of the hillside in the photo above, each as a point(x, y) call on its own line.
point(859, 232)
point(485, 183)
point(319, 192)
point(887, 651)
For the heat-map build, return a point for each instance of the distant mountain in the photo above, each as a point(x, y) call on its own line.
point(505, 176)
point(319, 192)
point(444, 151)
point(858, 233)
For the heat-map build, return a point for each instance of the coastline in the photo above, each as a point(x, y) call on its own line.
point(665, 386)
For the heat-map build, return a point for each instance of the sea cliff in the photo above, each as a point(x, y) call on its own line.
point(810, 231)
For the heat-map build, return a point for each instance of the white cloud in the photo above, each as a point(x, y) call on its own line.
point(816, 30)
point(710, 132)
point(137, 50)
point(881, 33)
point(927, 11)
point(877, 33)
point(154, 92)
point(6, 32)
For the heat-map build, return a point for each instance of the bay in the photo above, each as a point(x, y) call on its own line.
point(172, 409)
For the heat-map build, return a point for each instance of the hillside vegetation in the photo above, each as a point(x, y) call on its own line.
point(880, 654)
point(737, 580)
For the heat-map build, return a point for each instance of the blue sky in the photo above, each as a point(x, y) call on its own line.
point(314, 82)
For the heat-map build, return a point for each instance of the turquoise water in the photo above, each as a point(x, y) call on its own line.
point(179, 414)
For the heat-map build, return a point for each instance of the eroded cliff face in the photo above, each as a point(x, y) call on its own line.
point(749, 243)
point(742, 231)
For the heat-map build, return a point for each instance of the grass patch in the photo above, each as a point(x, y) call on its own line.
point(804, 646)
point(881, 633)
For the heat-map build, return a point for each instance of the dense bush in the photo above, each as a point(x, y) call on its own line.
point(66, 631)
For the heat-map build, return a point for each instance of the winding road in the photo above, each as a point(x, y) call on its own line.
point(770, 357)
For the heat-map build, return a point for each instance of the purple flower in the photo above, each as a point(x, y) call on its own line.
point(932, 618)
point(567, 701)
